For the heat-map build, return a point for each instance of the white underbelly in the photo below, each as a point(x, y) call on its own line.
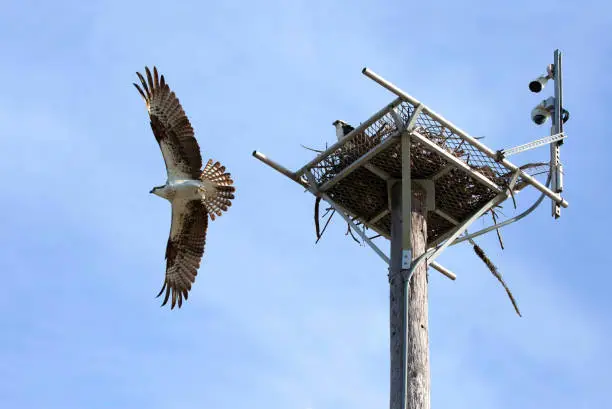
point(187, 189)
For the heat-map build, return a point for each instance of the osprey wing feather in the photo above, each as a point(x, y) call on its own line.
point(184, 249)
point(171, 128)
point(195, 194)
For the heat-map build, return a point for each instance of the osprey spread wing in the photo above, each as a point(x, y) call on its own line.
point(195, 193)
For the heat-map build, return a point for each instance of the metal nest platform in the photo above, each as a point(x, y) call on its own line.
point(463, 177)
point(407, 153)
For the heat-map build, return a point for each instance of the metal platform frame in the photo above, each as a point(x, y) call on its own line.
point(407, 131)
point(411, 129)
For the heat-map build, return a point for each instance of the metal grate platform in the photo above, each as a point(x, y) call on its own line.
point(354, 173)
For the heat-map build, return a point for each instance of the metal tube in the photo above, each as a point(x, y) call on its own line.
point(483, 148)
point(406, 201)
point(557, 120)
point(443, 270)
point(278, 167)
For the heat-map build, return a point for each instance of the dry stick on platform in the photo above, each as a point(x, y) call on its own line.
point(311, 149)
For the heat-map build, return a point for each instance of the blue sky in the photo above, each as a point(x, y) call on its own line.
point(274, 321)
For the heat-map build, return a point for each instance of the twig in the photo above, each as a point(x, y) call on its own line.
point(310, 149)
point(501, 242)
point(494, 271)
point(349, 230)
point(326, 223)
point(316, 216)
point(327, 211)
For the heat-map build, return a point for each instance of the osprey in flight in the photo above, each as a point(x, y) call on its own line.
point(195, 194)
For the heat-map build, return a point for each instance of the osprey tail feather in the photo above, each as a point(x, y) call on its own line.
point(222, 182)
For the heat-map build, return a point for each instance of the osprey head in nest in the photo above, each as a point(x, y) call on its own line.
point(194, 193)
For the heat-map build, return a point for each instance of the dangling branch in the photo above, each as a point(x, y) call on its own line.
point(316, 216)
point(480, 253)
point(349, 230)
point(499, 237)
point(320, 234)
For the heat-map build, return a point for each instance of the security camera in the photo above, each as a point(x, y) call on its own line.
point(542, 111)
point(545, 109)
point(539, 83)
point(539, 115)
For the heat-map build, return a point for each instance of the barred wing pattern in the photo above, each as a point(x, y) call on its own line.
point(184, 249)
point(171, 128)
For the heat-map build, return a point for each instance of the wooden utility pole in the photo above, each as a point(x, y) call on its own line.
point(410, 378)
point(366, 169)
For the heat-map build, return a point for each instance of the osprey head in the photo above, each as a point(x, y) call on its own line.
point(158, 190)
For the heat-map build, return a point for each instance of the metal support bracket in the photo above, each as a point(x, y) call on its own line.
point(429, 187)
point(406, 201)
point(504, 153)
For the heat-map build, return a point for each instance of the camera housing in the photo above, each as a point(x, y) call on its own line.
point(538, 84)
point(542, 111)
point(539, 115)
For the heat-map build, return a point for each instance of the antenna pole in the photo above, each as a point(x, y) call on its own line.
point(409, 339)
point(556, 168)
